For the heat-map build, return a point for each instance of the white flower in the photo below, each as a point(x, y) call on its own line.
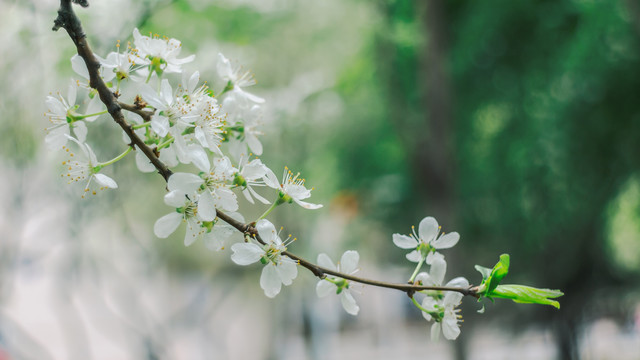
point(426, 241)
point(444, 311)
point(62, 115)
point(237, 79)
point(122, 64)
point(222, 232)
point(243, 121)
point(348, 265)
point(278, 269)
point(170, 111)
point(291, 189)
point(78, 170)
point(435, 276)
point(251, 174)
point(190, 207)
point(161, 53)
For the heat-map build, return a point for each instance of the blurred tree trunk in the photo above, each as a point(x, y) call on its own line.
point(433, 153)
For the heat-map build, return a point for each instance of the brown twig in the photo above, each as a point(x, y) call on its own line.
point(70, 22)
point(144, 114)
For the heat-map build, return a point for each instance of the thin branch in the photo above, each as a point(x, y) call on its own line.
point(144, 114)
point(322, 272)
point(70, 22)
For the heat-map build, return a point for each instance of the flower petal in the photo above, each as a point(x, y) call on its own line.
point(438, 269)
point(206, 206)
point(446, 241)
point(414, 256)
point(167, 224)
point(450, 327)
point(246, 253)
point(143, 163)
point(287, 271)
point(348, 302)
point(270, 280)
point(267, 231)
point(186, 183)
point(307, 205)
point(106, 181)
point(404, 241)
point(325, 261)
point(435, 331)
point(324, 288)
point(349, 261)
point(428, 229)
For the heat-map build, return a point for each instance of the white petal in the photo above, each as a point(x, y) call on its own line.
point(307, 205)
point(246, 253)
point(57, 137)
point(446, 241)
point(348, 302)
point(247, 195)
point(160, 124)
point(414, 256)
point(166, 91)
point(167, 224)
point(257, 196)
point(267, 231)
point(254, 144)
point(287, 271)
point(435, 331)
point(199, 157)
point(428, 229)
point(459, 282)
point(450, 328)
point(349, 261)
point(215, 239)
point(404, 241)
point(325, 261)
point(226, 199)
point(106, 181)
point(174, 198)
point(80, 129)
point(186, 183)
point(271, 180)
point(194, 231)
point(324, 288)
point(143, 163)
point(438, 269)
point(452, 298)
point(206, 206)
point(270, 280)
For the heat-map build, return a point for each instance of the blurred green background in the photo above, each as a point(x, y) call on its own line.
point(515, 123)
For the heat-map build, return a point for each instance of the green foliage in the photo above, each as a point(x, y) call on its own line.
point(491, 288)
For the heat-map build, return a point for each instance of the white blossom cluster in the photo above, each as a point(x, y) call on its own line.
point(180, 119)
point(436, 305)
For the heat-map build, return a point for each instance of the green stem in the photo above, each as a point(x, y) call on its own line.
point(136, 127)
point(115, 159)
point(415, 272)
point(419, 306)
point(80, 117)
point(165, 144)
point(149, 77)
point(273, 206)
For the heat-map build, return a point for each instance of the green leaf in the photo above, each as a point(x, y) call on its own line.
point(499, 271)
point(527, 294)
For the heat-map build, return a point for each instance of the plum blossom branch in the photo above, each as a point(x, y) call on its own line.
point(70, 22)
